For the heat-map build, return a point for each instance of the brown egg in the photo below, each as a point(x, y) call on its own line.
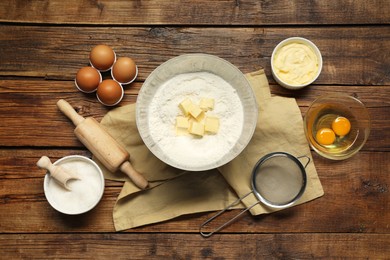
point(102, 57)
point(109, 92)
point(124, 70)
point(87, 79)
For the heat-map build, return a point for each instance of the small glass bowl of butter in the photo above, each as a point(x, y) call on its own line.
point(296, 63)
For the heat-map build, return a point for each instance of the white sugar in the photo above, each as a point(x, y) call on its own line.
point(84, 193)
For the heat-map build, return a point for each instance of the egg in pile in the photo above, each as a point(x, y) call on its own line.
point(88, 79)
point(102, 58)
point(340, 127)
point(124, 70)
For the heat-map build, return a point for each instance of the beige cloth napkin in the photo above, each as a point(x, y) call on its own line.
point(279, 129)
point(174, 192)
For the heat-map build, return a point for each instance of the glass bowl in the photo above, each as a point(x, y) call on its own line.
point(323, 112)
point(185, 154)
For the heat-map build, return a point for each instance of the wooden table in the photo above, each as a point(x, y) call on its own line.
point(44, 43)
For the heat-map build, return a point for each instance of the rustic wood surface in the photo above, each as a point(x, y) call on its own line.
point(44, 43)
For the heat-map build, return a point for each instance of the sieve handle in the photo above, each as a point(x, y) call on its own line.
point(308, 159)
point(209, 234)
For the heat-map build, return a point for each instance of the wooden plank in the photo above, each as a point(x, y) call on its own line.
point(371, 96)
point(190, 246)
point(352, 55)
point(201, 12)
point(356, 200)
point(24, 123)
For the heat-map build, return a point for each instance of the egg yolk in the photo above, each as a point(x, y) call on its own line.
point(341, 126)
point(325, 136)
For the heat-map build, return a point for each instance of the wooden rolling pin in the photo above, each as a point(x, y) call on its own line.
point(111, 154)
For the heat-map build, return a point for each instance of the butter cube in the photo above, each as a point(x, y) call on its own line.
point(182, 125)
point(185, 106)
point(201, 117)
point(211, 124)
point(196, 128)
point(195, 111)
point(206, 104)
point(182, 122)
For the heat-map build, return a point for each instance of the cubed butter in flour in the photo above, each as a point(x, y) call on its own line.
point(201, 117)
point(196, 128)
point(211, 124)
point(182, 125)
point(206, 104)
point(195, 111)
point(185, 106)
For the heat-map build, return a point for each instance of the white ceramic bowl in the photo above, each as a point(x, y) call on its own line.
point(85, 193)
point(300, 40)
point(184, 65)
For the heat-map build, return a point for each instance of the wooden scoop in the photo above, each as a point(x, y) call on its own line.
point(61, 175)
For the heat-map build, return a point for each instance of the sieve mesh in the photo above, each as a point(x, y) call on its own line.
point(278, 180)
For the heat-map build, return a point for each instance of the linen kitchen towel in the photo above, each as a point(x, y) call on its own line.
point(174, 192)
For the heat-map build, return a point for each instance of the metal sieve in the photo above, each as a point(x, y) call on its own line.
point(278, 181)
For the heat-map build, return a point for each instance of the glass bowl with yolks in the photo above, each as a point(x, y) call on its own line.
point(337, 126)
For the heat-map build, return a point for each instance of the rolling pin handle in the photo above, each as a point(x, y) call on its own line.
point(137, 178)
point(68, 110)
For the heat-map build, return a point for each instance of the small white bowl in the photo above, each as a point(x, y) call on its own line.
point(85, 193)
point(300, 40)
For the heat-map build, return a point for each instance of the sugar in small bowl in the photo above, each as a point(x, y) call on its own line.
point(84, 193)
point(296, 63)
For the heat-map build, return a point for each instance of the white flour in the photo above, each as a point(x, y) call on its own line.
point(190, 150)
point(84, 194)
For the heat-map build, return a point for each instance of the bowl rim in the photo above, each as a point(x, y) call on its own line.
point(225, 159)
point(316, 51)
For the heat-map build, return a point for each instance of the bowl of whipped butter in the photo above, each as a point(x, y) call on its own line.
point(296, 63)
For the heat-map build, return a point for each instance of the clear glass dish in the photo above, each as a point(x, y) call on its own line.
point(322, 113)
point(192, 63)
